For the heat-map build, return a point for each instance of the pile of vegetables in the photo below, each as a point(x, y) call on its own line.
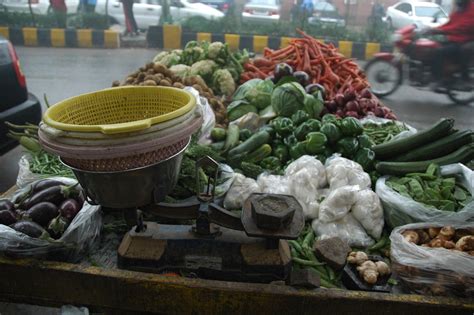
point(370, 271)
point(156, 74)
point(384, 132)
point(432, 189)
point(440, 144)
point(213, 62)
point(44, 211)
point(40, 161)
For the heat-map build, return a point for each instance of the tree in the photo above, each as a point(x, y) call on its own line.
point(32, 14)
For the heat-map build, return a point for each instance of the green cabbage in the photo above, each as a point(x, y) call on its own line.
point(256, 91)
point(288, 98)
point(242, 90)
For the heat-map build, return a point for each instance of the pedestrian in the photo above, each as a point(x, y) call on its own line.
point(90, 6)
point(130, 22)
point(60, 12)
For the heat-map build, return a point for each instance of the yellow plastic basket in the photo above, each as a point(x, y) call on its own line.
point(119, 109)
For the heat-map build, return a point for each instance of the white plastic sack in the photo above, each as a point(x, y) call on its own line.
point(400, 210)
point(338, 203)
point(209, 119)
point(380, 121)
point(343, 172)
point(273, 184)
point(80, 235)
point(368, 210)
point(242, 187)
point(225, 180)
point(347, 229)
point(437, 271)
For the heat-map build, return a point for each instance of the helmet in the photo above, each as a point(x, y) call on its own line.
point(462, 4)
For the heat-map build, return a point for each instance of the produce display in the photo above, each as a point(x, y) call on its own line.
point(156, 74)
point(446, 237)
point(370, 271)
point(45, 210)
point(384, 132)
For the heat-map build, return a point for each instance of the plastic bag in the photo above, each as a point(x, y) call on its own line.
point(225, 180)
point(209, 118)
point(242, 187)
point(400, 210)
point(274, 184)
point(432, 271)
point(80, 235)
point(347, 229)
point(338, 203)
point(368, 210)
point(379, 121)
point(343, 172)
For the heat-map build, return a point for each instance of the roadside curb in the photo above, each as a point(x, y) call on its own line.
point(57, 37)
point(173, 37)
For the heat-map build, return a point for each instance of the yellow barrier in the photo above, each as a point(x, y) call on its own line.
point(345, 48)
point(371, 49)
point(58, 37)
point(204, 37)
point(259, 43)
point(171, 37)
point(84, 38)
point(233, 40)
point(4, 32)
point(30, 36)
point(111, 39)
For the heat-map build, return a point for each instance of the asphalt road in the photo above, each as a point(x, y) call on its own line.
point(62, 73)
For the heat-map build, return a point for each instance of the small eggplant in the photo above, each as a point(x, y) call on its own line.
point(43, 184)
point(339, 98)
point(282, 70)
point(29, 228)
point(57, 226)
point(302, 77)
point(69, 208)
point(7, 217)
point(42, 213)
point(315, 88)
point(6, 204)
point(53, 194)
point(349, 95)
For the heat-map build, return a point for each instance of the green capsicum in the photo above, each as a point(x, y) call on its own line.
point(280, 151)
point(331, 131)
point(290, 141)
point(330, 118)
point(351, 127)
point(365, 141)
point(308, 126)
point(283, 126)
point(299, 117)
point(315, 142)
point(244, 134)
point(365, 157)
point(347, 146)
point(271, 163)
point(297, 150)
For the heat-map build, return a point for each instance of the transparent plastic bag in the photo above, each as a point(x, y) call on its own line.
point(343, 172)
point(225, 180)
point(400, 210)
point(242, 187)
point(379, 121)
point(25, 176)
point(78, 238)
point(432, 271)
point(347, 229)
point(368, 210)
point(338, 203)
point(209, 118)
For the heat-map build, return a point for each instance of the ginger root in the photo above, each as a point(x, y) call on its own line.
point(446, 233)
point(368, 271)
point(357, 258)
point(433, 231)
point(465, 243)
point(411, 236)
point(382, 268)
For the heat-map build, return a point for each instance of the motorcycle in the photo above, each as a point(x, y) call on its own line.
point(411, 62)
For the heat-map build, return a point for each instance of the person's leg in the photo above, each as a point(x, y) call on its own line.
point(132, 20)
point(126, 12)
point(440, 56)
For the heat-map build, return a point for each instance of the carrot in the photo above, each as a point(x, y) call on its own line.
point(306, 61)
point(263, 62)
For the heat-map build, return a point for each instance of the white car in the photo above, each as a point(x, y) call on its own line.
point(40, 7)
point(422, 14)
point(147, 12)
point(262, 11)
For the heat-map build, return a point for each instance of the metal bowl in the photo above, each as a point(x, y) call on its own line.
point(131, 188)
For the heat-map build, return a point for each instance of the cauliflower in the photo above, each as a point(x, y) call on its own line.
point(192, 53)
point(203, 68)
point(217, 50)
point(223, 82)
point(181, 71)
point(169, 59)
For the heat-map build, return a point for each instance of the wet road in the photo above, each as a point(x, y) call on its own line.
point(62, 73)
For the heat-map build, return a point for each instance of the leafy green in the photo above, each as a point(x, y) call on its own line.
point(288, 98)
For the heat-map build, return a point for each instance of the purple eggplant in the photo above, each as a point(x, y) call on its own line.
point(42, 213)
point(7, 217)
point(43, 184)
point(69, 208)
point(55, 194)
point(315, 88)
point(6, 204)
point(57, 226)
point(302, 77)
point(29, 228)
point(282, 70)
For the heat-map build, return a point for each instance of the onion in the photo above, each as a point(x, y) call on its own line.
point(331, 106)
point(340, 113)
point(365, 93)
point(386, 110)
point(378, 111)
point(349, 95)
point(391, 116)
point(339, 98)
point(352, 106)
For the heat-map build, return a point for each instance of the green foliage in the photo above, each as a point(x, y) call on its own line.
point(82, 20)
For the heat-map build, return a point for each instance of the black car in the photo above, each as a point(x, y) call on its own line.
point(221, 5)
point(16, 104)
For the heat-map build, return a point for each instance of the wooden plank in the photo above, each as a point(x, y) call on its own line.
point(54, 283)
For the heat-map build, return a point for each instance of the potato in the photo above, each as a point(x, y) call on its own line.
point(150, 65)
point(115, 83)
point(178, 85)
point(165, 82)
point(141, 76)
point(150, 71)
point(150, 83)
point(149, 77)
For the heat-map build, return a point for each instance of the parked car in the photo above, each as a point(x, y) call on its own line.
point(147, 12)
point(221, 5)
point(261, 11)
point(325, 13)
point(40, 7)
point(422, 14)
point(17, 105)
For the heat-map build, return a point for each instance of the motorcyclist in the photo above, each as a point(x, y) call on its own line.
point(459, 30)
